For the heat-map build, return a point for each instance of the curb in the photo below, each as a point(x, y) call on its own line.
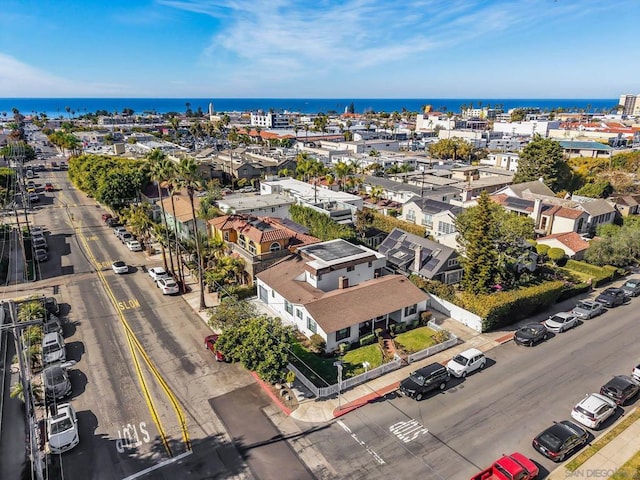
point(362, 401)
point(286, 410)
point(504, 338)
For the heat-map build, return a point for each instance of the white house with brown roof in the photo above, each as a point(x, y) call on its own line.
point(335, 289)
point(180, 216)
point(573, 244)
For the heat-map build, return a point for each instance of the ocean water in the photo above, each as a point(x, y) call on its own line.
point(56, 107)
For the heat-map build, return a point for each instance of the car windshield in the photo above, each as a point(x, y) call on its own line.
point(61, 426)
point(529, 330)
point(631, 283)
point(550, 441)
point(119, 264)
point(170, 283)
point(584, 305)
point(417, 378)
point(51, 348)
point(460, 359)
point(54, 376)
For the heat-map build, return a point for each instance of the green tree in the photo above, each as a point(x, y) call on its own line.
point(478, 234)
point(159, 172)
point(602, 189)
point(189, 178)
point(138, 219)
point(555, 254)
point(542, 158)
point(229, 312)
point(319, 224)
point(261, 344)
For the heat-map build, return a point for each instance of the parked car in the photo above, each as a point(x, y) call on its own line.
point(34, 197)
point(424, 380)
point(48, 187)
point(55, 166)
point(530, 334)
point(118, 231)
point(31, 189)
point(635, 373)
point(53, 348)
point(210, 344)
point(510, 467)
point(106, 216)
point(51, 305)
point(620, 389)
point(560, 440)
point(466, 362)
point(632, 287)
point(56, 382)
point(586, 309)
point(593, 410)
point(134, 246)
point(561, 322)
point(113, 222)
point(611, 297)
point(158, 272)
point(62, 429)
point(127, 237)
point(120, 267)
point(52, 325)
point(39, 242)
point(41, 255)
point(168, 286)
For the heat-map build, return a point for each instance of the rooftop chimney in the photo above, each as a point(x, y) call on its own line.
point(417, 259)
point(343, 282)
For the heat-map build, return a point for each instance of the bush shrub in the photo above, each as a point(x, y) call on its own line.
point(504, 308)
point(425, 317)
point(367, 339)
point(571, 290)
point(387, 223)
point(318, 343)
point(599, 275)
point(439, 289)
point(344, 347)
point(441, 336)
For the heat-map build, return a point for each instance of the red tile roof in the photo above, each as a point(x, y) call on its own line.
point(571, 240)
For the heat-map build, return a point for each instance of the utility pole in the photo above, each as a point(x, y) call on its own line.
point(33, 450)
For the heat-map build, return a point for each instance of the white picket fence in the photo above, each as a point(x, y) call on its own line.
point(329, 390)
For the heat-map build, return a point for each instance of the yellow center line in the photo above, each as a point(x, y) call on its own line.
point(134, 342)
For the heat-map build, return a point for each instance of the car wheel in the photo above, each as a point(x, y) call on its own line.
point(545, 337)
point(561, 457)
point(531, 343)
point(418, 397)
point(464, 374)
point(443, 385)
point(561, 329)
point(482, 364)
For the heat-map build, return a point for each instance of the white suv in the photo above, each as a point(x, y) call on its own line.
point(593, 410)
point(53, 348)
point(466, 362)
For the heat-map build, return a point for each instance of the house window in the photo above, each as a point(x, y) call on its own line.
point(453, 277)
point(410, 310)
point(370, 264)
point(342, 334)
point(299, 313)
point(411, 216)
point(288, 307)
point(226, 236)
point(242, 241)
point(311, 325)
point(427, 219)
point(543, 223)
point(445, 228)
point(273, 209)
point(252, 247)
point(275, 246)
point(452, 262)
point(351, 268)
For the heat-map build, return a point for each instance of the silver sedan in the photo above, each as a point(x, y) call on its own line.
point(586, 309)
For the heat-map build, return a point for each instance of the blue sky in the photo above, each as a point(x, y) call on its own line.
point(319, 48)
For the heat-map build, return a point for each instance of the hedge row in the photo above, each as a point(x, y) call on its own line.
point(599, 275)
point(387, 224)
point(504, 308)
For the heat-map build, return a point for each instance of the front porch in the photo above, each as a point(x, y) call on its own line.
point(382, 322)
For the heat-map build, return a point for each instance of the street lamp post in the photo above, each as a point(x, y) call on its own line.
point(338, 365)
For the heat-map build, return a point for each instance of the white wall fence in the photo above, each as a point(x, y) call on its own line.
point(455, 312)
point(427, 352)
point(329, 390)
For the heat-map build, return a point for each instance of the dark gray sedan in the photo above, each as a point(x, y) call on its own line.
point(632, 287)
point(530, 334)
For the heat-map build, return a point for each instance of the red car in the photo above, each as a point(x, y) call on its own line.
point(48, 187)
point(210, 344)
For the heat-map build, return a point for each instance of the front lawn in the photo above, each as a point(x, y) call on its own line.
point(353, 359)
point(416, 339)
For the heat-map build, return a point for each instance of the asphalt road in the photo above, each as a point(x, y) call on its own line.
point(119, 434)
point(453, 434)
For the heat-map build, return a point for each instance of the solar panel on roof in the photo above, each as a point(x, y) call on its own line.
point(296, 227)
point(333, 250)
point(395, 235)
point(431, 264)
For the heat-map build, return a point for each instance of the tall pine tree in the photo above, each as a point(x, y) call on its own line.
point(478, 235)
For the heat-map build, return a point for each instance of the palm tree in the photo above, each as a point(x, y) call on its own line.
point(159, 173)
point(30, 311)
point(174, 183)
point(342, 170)
point(191, 180)
point(137, 217)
